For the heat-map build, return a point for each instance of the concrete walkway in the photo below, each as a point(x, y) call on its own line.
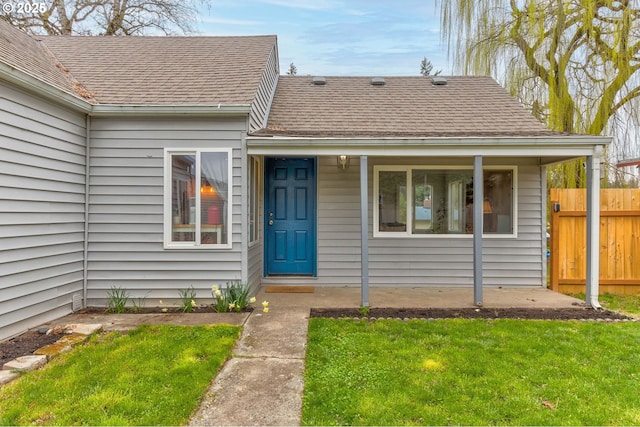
point(263, 382)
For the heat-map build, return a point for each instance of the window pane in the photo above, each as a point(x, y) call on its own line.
point(439, 201)
point(214, 194)
point(392, 203)
point(498, 201)
point(183, 202)
point(422, 202)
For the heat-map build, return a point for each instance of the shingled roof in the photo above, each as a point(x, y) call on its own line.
point(143, 70)
point(166, 70)
point(25, 53)
point(402, 107)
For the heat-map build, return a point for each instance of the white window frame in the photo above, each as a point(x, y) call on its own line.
point(168, 215)
point(255, 180)
point(409, 220)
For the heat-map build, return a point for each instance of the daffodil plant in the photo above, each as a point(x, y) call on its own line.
point(188, 300)
point(234, 297)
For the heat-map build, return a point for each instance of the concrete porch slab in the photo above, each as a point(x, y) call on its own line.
point(443, 297)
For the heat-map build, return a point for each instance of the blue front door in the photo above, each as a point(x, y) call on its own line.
point(290, 216)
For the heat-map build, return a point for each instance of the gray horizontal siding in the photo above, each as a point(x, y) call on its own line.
point(421, 261)
point(42, 186)
point(126, 209)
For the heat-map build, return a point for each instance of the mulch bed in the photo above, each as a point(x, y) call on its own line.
point(25, 344)
point(573, 313)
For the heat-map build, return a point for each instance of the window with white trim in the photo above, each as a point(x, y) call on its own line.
point(419, 200)
point(198, 198)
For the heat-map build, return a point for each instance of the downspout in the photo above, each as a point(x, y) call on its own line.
point(87, 176)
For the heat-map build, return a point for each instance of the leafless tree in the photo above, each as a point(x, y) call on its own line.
point(103, 17)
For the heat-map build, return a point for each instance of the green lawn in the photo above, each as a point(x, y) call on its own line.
point(153, 375)
point(472, 372)
point(629, 304)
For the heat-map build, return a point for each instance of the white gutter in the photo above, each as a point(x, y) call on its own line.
point(568, 140)
point(26, 81)
point(170, 110)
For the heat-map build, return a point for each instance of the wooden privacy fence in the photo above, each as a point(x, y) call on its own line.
point(619, 240)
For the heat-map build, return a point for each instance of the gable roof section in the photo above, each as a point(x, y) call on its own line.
point(403, 107)
point(26, 54)
point(166, 70)
point(144, 71)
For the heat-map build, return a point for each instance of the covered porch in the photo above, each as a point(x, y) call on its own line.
point(431, 297)
point(478, 264)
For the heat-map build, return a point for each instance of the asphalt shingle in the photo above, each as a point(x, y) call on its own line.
point(27, 54)
point(166, 70)
point(402, 107)
point(143, 70)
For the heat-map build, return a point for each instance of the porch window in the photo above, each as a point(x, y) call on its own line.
point(420, 200)
point(198, 199)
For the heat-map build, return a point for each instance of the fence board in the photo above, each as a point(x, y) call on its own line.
point(619, 241)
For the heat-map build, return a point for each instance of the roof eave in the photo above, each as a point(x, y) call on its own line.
point(439, 140)
point(573, 145)
point(27, 81)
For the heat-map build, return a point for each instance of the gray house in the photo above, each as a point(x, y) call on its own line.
point(159, 163)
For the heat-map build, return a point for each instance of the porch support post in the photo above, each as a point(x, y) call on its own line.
point(593, 229)
point(478, 223)
point(364, 230)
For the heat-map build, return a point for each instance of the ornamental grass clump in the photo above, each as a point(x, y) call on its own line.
point(117, 299)
point(232, 298)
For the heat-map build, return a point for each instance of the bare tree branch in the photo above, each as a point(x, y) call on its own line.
point(109, 17)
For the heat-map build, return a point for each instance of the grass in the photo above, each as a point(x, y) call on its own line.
point(153, 375)
point(472, 372)
point(628, 304)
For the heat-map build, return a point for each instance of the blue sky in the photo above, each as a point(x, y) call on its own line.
point(338, 37)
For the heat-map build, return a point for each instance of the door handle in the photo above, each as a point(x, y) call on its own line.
point(270, 222)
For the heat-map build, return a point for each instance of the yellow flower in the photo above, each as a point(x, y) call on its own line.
point(193, 304)
point(214, 288)
point(232, 306)
point(265, 310)
point(217, 293)
point(265, 304)
point(160, 302)
point(164, 310)
point(252, 300)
